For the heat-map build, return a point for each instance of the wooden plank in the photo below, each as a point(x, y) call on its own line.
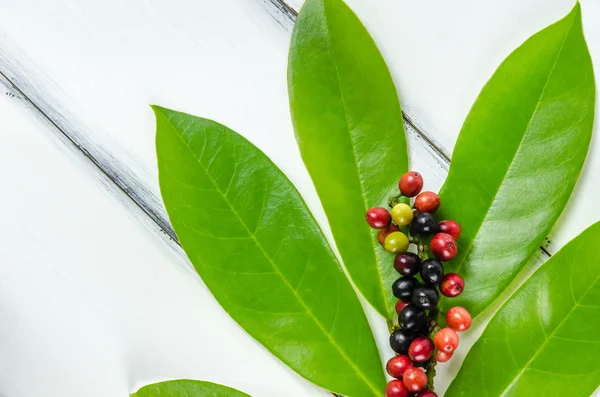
point(89, 70)
point(95, 300)
point(182, 55)
point(98, 106)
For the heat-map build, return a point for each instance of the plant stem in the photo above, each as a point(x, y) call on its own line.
point(434, 314)
point(433, 329)
point(394, 200)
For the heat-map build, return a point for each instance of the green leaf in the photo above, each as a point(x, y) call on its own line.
point(349, 128)
point(545, 340)
point(253, 241)
point(517, 158)
point(187, 388)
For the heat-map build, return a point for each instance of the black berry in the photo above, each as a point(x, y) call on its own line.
point(432, 271)
point(424, 223)
point(425, 297)
point(403, 287)
point(412, 318)
point(400, 341)
point(407, 264)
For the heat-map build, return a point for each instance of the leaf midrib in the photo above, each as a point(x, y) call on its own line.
point(273, 264)
point(558, 54)
point(547, 339)
point(354, 156)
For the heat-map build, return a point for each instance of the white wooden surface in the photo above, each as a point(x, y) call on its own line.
point(95, 299)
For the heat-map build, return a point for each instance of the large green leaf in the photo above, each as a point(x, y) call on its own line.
point(251, 238)
point(545, 340)
point(349, 129)
point(518, 156)
point(187, 388)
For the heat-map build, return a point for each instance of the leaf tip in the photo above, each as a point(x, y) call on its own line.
point(158, 109)
point(575, 11)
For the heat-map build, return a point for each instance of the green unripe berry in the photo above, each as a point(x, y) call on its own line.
point(396, 242)
point(402, 214)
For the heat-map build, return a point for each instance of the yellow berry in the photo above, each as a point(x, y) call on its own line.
point(402, 214)
point(396, 243)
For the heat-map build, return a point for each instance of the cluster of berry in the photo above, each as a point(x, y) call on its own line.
point(418, 298)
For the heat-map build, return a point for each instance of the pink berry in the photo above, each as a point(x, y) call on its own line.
point(426, 393)
point(378, 218)
point(400, 304)
point(443, 246)
point(415, 379)
point(442, 357)
point(421, 349)
point(427, 202)
point(411, 184)
point(396, 388)
point(452, 285)
point(446, 340)
point(459, 319)
point(450, 227)
point(397, 365)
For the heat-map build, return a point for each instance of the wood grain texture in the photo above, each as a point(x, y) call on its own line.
point(94, 299)
point(87, 71)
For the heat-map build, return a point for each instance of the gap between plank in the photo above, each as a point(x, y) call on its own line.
point(111, 175)
point(291, 14)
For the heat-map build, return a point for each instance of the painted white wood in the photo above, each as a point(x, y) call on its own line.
point(226, 60)
point(94, 299)
point(93, 67)
point(441, 53)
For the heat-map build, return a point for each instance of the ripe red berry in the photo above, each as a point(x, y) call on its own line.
point(427, 202)
point(452, 285)
point(397, 365)
point(442, 357)
point(396, 388)
point(383, 233)
point(378, 218)
point(426, 393)
point(450, 227)
point(411, 184)
point(414, 379)
point(446, 340)
point(459, 319)
point(421, 349)
point(400, 304)
point(443, 246)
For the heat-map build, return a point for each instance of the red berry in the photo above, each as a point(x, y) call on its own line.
point(426, 393)
point(446, 340)
point(383, 233)
point(427, 202)
point(397, 365)
point(400, 304)
point(452, 285)
point(442, 357)
point(443, 246)
point(378, 218)
point(396, 388)
point(411, 184)
point(450, 227)
point(421, 349)
point(459, 319)
point(415, 379)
